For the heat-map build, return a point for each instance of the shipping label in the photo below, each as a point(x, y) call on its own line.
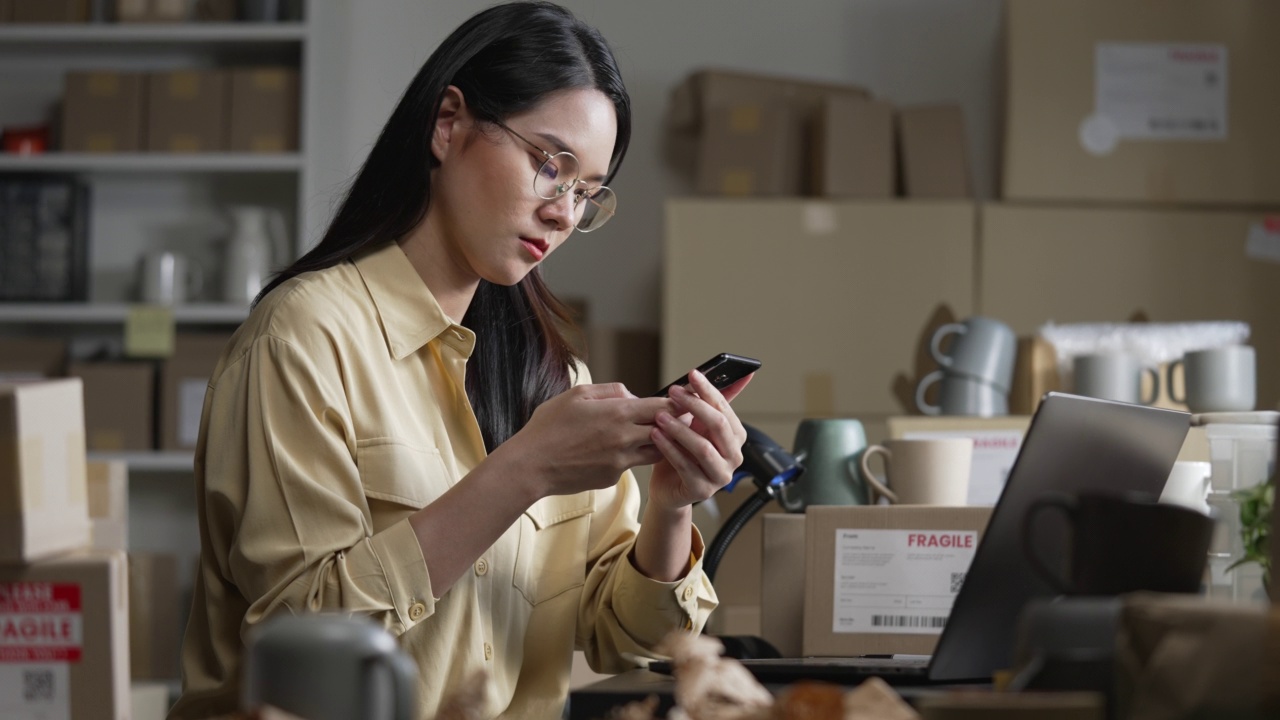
point(1161, 91)
point(41, 634)
point(899, 581)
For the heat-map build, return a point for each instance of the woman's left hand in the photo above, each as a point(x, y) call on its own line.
point(700, 448)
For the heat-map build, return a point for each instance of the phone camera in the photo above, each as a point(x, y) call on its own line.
point(720, 379)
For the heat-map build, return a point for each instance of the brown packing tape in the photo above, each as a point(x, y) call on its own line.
point(32, 472)
point(745, 119)
point(104, 84)
point(77, 492)
point(184, 85)
point(738, 182)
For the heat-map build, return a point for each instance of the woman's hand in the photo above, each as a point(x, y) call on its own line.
point(701, 443)
point(584, 438)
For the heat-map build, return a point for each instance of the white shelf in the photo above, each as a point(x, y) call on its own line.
point(152, 461)
point(105, 313)
point(176, 33)
point(152, 162)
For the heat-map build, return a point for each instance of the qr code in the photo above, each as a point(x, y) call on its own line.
point(957, 579)
point(37, 685)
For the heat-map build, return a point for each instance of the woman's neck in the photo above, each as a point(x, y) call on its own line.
point(446, 278)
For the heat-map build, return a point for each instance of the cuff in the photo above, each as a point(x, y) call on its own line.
point(652, 608)
point(397, 551)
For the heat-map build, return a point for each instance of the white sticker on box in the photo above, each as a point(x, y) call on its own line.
point(190, 406)
point(899, 581)
point(818, 219)
point(41, 633)
point(1162, 91)
point(1263, 242)
point(993, 454)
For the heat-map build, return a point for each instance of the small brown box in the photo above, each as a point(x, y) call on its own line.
point(782, 582)
point(152, 11)
point(852, 149)
point(935, 162)
point(108, 483)
point(264, 110)
point(215, 10)
point(187, 111)
point(184, 377)
point(49, 11)
point(751, 149)
point(119, 404)
point(875, 539)
point(154, 623)
point(31, 358)
point(81, 600)
point(102, 112)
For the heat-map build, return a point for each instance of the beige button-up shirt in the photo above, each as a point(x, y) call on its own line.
point(337, 410)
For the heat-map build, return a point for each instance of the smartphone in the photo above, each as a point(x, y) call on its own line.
point(722, 370)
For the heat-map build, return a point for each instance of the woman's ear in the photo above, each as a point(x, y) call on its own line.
point(452, 109)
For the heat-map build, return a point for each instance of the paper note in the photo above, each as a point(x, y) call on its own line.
point(148, 331)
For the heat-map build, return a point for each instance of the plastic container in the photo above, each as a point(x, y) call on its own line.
point(1242, 453)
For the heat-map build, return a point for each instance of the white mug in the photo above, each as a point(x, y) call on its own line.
point(1114, 376)
point(921, 472)
point(1222, 379)
point(1188, 485)
point(169, 278)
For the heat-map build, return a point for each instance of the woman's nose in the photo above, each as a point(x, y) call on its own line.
point(560, 211)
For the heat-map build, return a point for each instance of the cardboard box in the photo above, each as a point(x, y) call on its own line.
point(782, 583)
point(149, 700)
point(184, 377)
point(149, 11)
point(119, 404)
point(264, 110)
point(626, 355)
point(996, 443)
point(79, 602)
point(935, 159)
point(49, 11)
point(864, 625)
point(102, 111)
point(845, 290)
point(215, 10)
point(1109, 101)
point(43, 492)
point(23, 358)
point(1066, 265)
point(751, 149)
point(108, 484)
point(852, 149)
point(6, 11)
point(735, 620)
point(155, 628)
point(187, 111)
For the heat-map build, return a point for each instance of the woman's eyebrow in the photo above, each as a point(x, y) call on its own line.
point(559, 145)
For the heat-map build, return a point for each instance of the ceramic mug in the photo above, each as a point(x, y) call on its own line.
point(1188, 485)
point(328, 666)
point(922, 472)
point(1114, 376)
point(1220, 379)
point(169, 278)
point(962, 395)
point(983, 348)
point(829, 449)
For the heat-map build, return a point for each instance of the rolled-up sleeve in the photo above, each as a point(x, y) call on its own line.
point(288, 515)
point(624, 615)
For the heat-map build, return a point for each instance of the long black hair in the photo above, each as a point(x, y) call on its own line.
point(505, 60)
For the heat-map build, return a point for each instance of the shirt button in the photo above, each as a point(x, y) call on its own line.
point(688, 592)
point(488, 651)
point(416, 611)
point(482, 566)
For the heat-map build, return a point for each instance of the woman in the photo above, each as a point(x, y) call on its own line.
point(462, 483)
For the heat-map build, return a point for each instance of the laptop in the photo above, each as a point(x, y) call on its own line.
point(1073, 445)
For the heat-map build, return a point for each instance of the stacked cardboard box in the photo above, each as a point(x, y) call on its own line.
point(119, 402)
point(63, 606)
point(103, 111)
point(184, 377)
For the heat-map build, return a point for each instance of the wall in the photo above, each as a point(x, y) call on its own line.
point(908, 51)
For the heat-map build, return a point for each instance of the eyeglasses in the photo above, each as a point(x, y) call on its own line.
point(558, 174)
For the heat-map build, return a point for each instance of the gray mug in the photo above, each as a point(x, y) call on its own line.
point(326, 666)
point(961, 395)
point(983, 348)
point(829, 449)
point(1222, 379)
point(1114, 376)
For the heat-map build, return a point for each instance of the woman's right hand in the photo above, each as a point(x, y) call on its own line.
point(584, 438)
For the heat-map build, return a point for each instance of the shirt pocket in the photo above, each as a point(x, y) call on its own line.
point(551, 558)
point(398, 478)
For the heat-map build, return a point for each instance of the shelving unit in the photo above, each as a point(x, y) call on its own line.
point(108, 313)
point(152, 163)
point(158, 34)
point(177, 461)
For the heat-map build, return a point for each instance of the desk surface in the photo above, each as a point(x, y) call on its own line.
point(595, 701)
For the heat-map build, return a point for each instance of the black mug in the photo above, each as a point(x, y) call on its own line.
point(1124, 543)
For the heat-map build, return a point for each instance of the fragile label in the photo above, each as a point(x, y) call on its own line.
point(993, 454)
point(1263, 242)
point(41, 633)
point(899, 581)
point(1161, 91)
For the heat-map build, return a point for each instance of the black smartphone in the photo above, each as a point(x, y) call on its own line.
point(722, 370)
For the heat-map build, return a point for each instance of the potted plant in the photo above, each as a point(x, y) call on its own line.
point(1255, 527)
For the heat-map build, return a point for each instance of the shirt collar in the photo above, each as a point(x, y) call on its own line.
point(411, 317)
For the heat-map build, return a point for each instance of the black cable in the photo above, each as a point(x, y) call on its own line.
point(730, 529)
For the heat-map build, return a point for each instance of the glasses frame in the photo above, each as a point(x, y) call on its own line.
point(563, 188)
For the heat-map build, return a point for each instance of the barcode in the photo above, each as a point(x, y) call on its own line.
point(957, 579)
point(909, 621)
point(37, 685)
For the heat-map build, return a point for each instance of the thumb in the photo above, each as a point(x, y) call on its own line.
point(605, 391)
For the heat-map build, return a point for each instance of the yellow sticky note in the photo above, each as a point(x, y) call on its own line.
point(148, 331)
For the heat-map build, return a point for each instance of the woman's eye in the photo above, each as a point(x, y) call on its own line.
point(549, 170)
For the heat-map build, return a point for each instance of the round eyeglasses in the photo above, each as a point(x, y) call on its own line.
point(558, 174)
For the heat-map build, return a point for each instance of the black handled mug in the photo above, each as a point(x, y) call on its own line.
point(1123, 543)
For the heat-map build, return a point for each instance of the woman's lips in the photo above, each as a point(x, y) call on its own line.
point(537, 247)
